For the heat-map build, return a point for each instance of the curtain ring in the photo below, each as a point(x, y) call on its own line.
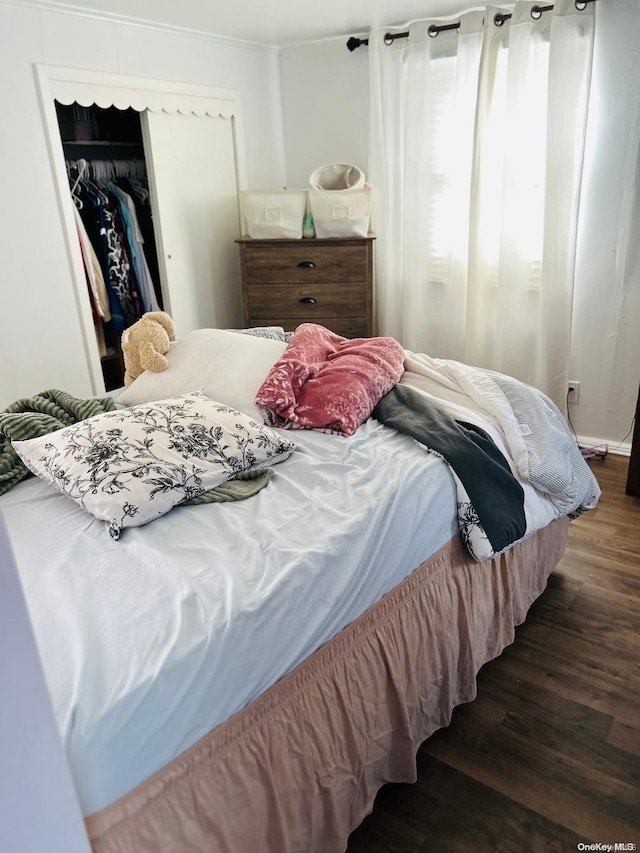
point(499, 19)
point(580, 5)
point(433, 31)
point(536, 13)
point(387, 39)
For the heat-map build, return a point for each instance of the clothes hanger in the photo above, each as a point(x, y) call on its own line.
point(81, 165)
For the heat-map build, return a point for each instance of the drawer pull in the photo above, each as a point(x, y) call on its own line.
point(306, 265)
point(307, 300)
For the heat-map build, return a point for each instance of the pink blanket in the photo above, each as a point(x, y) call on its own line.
point(324, 381)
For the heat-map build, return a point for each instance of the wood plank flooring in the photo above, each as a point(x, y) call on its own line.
point(548, 754)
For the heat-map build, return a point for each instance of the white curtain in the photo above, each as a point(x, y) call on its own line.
point(476, 151)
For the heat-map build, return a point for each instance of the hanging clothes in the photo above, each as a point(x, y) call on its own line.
point(121, 272)
point(99, 226)
point(136, 248)
point(138, 190)
point(113, 241)
point(93, 270)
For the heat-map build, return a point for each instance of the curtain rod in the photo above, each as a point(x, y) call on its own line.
point(498, 19)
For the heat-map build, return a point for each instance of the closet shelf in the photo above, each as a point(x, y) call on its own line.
point(103, 142)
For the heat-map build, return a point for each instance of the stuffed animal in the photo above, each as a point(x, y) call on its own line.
point(145, 343)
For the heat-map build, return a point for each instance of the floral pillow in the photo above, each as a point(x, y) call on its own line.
point(130, 466)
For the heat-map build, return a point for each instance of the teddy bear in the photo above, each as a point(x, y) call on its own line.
point(145, 343)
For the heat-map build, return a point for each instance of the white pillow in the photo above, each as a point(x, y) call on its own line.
point(228, 367)
point(130, 466)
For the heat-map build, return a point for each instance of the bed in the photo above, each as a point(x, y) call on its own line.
point(245, 675)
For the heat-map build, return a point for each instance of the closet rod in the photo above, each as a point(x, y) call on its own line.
point(499, 19)
point(107, 169)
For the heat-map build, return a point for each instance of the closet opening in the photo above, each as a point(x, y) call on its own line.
point(108, 182)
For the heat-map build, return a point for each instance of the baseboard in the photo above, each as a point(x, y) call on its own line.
point(622, 448)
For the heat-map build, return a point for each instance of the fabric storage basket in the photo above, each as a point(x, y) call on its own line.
point(337, 176)
point(273, 213)
point(343, 213)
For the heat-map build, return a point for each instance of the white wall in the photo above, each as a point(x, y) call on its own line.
point(40, 343)
point(325, 109)
point(325, 103)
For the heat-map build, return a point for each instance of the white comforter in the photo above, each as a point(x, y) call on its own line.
point(536, 436)
point(525, 425)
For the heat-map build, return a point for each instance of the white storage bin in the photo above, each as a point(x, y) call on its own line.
point(337, 176)
point(344, 213)
point(273, 213)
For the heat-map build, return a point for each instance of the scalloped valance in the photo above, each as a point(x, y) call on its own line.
point(111, 90)
point(155, 102)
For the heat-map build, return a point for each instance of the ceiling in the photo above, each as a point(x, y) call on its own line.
point(272, 22)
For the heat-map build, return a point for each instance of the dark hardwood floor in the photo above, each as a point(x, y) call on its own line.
point(548, 754)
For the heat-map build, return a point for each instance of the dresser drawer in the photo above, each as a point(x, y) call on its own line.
point(307, 301)
point(348, 327)
point(306, 262)
point(329, 282)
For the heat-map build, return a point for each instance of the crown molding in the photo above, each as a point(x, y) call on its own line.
point(60, 7)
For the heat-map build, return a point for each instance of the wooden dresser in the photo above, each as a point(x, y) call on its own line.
point(288, 282)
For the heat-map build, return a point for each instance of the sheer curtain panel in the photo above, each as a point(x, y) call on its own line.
point(476, 151)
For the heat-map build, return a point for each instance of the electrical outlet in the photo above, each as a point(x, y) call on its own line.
point(574, 392)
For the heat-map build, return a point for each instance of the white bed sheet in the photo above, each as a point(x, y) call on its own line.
point(150, 642)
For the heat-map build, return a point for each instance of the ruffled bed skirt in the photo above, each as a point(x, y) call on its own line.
point(298, 768)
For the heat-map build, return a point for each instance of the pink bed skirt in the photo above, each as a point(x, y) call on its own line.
point(298, 768)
